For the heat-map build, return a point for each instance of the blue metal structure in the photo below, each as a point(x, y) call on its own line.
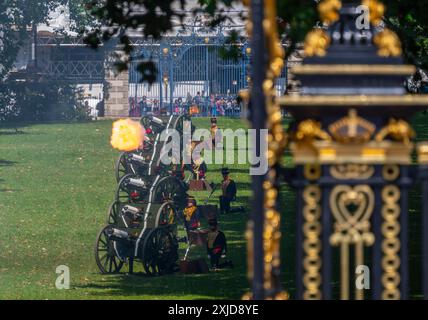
point(354, 210)
point(190, 63)
point(186, 66)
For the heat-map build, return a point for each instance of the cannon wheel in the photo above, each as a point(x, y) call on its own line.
point(123, 167)
point(122, 194)
point(113, 212)
point(105, 256)
point(169, 189)
point(159, 251)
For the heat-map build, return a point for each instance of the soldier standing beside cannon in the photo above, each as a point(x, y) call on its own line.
point(215, 133)
point(191, 215)
point(228, 187)
point(217, 246)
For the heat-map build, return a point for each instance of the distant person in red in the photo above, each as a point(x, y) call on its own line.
point(217, 246)
point(199, 168)
point(215, 134)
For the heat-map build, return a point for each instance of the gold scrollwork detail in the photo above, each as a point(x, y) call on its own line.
point(352, 208)
point(376, 9)
point(388, 43)
point(398, 130)
point(329, 10)
point(352, 171)
point(391, 243)
point(277, 142)
point(312, 171)
point(318, 40)
point(390, 172)
point(309, 130)
point(311, 242)
point(316, 43)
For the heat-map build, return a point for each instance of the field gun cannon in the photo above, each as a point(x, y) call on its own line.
point(142, 232)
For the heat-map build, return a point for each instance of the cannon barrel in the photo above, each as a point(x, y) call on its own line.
point(157, 121)
point(131, 209)
point(138, 158)
point(135, 212)
point(120, 236)
point(137, 182)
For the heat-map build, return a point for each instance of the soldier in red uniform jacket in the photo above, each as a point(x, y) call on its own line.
point(217, 246)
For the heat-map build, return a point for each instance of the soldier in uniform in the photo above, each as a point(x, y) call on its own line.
point(217, 246)
point(215, 133)
point(191, 215)
point(199, 168)
point(228, 187)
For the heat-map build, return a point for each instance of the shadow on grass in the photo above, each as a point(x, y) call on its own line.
point(8, 190)
point(6, 163)
point(213, 284)
point(226, 283)
point(11, 129)
point(12, 133)
point(232, 171)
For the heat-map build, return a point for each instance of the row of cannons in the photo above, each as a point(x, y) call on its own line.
point(145, 216)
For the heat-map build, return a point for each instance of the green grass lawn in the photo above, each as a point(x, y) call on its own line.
point(56, 183)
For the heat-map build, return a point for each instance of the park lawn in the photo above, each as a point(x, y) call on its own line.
point(56, 184)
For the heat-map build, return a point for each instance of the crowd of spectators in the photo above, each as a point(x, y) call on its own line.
point(200, 105)
point(214, 105)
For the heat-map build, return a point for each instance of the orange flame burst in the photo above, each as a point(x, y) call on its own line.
point(127, 135)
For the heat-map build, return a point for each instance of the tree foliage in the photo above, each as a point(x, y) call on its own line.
point(295, 18)
point(410, 20)
point(18, 16)
point(29, 100)
point(36, 102)
point(103, 20)
point(151, 18)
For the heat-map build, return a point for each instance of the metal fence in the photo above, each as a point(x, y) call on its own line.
point(193, 76)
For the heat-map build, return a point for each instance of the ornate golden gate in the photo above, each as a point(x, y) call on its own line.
point(352, 152)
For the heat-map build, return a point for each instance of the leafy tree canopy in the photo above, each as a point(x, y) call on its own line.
point(155, 17)
point(34, 101)
point(410, 20)
point(295, 18)
point(18, 16)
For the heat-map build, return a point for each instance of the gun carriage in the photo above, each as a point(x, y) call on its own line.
point(141, 232)
point(135, 189)
point(147, 161)
point(143, 220)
